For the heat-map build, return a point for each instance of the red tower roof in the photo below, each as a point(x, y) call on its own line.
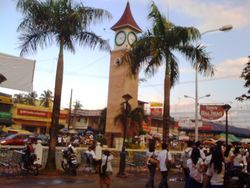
point(127, 20)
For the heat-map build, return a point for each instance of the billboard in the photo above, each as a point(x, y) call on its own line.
point(211, 112)
point(18, 71)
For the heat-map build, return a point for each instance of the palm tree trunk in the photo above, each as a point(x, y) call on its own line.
point(166, 108)
point(51, 161)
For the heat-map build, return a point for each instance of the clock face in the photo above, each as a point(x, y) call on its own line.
point(120, 38)
point(131, 38)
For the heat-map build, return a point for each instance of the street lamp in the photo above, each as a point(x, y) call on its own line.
point(226, 108)
point(196, 110)
point(126, 109)
point(223, 28)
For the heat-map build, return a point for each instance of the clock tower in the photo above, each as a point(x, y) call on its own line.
point(121, 82)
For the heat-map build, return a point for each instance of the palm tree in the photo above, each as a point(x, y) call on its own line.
point(19, 98)
point(30, 98)
point(246, 76)
point(136, 117)
point(77, 106)
point(157, 47)
point(45, 98)
point(65, 23)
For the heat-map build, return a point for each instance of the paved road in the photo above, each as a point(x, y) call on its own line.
point(137, 180)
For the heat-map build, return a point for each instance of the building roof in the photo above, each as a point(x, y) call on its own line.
point(126, 20)
point(220, 128)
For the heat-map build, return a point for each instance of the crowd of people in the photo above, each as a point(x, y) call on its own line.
point(216, 165)
point(76, 139)
point(211, 166)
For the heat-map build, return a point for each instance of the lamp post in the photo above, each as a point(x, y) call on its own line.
point(226, 108)
point(126, 109)
point(196, 99)
point(223, 28)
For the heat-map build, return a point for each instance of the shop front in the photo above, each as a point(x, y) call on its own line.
point(36, 119)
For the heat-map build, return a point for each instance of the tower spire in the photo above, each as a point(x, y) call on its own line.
point(126, 20)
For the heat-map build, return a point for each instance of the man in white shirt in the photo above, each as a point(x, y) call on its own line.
point(164, 156)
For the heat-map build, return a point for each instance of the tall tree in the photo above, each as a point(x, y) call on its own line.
point(31, 98)
point(158, 46)
point(246, 76)
point(77, 106)
point(61, 22)
point(135, 116)
point(19, 98)
point(46, 98)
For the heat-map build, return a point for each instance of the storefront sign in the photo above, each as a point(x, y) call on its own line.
point(26, 112)
point(156, 111)
point(211, 112)
point(155, 104)
point(38, 113)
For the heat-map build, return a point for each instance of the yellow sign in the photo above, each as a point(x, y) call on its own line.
point(5, 100)
point(155, 104)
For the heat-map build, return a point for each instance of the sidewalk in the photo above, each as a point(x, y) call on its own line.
point(135, 180)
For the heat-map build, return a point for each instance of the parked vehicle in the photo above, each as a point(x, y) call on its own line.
point(15, 139)
point(69, 162)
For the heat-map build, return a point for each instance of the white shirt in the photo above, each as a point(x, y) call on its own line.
point(104, 159)
point(162, 159)
point(150, 154)
point(195, 170)
point(91, 152)
point(237, 160)
point(216, 179)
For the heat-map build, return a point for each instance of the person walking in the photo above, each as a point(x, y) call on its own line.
point(185, 156)
point(105, 171)
point(195, 166)
point(216, 170)
point(164, 157)
point(152, 164)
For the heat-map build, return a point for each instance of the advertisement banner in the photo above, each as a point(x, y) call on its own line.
point(156, 111)
point(211, 112)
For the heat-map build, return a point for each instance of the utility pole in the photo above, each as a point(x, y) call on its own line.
point(70, 104)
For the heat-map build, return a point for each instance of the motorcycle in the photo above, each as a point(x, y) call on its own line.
point(69, 162)
point(28, 163)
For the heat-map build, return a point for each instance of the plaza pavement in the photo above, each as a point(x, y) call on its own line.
point(84, 180)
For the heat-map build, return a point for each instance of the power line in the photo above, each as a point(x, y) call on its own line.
point(188, 82)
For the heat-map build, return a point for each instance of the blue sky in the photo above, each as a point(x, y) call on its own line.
point(87, 71)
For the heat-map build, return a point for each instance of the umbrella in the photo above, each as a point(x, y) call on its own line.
point(245, 140)
point(64, 130)
point(72, 131)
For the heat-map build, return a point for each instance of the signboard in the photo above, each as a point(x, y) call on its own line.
point(18, 71)
point(155, 104)
point(156, 111)
point(38, 113)
point(211, 112)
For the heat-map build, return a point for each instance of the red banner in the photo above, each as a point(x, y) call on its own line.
point(38, 113)
point(211, 112)
point(156, 111)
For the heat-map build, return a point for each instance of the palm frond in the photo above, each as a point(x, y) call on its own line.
point(92, 40)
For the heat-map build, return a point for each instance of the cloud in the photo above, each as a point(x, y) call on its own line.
point(231, 67)
point(213, 13)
